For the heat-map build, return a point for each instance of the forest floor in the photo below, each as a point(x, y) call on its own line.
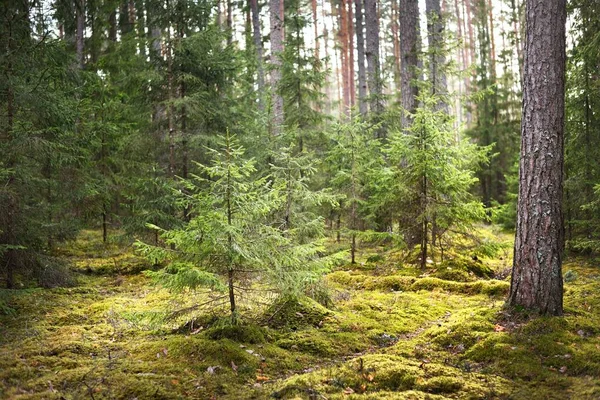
point(390, 331)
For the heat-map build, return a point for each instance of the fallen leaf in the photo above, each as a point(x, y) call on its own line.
point(499, 328)
point(212, 370)
point(563, 369)
point(234, 367)
point(348, 391)
point(165, 351)
point(262, 378)
point(174, 382)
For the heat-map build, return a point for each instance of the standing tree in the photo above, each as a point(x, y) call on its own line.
point(536, 276)
point(276, 18)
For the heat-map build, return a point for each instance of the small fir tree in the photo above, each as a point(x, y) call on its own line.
point(231, 233)
point(431, 157)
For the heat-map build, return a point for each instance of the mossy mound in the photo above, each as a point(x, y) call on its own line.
point(470, 266)
point(295, 313)
point(239, 333)
point(491, 287)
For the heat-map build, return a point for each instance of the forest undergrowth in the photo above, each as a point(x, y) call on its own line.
point(379, 329)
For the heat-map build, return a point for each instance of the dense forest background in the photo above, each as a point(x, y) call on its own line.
point(369, 118)
point(299, 199)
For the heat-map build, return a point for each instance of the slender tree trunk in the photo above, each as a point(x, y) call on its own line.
point(259, 53)
point(141, 26)
point(360, 52)
point(437, 59)
point(112, 26)
point(276, 19)
point(170, 107)
point(396, 42)
point(409, 49)
point(79, 35)
point(344, 52)
point(316, 28)
point(537, 277)
point(229, 22)
point(350, 36)
point(469, 21)
point(372, 55)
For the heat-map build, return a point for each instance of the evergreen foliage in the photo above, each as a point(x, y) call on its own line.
point(231, 233)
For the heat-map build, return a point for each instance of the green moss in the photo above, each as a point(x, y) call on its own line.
point(442, 384)
point(238, 333)
point(492, 287)
point(291, 313)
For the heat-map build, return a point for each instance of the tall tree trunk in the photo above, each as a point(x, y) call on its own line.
point(350, 37)
point(537, 277)
point(229, 22)
point(141, 26)
point(344, 53)
point(360, 52)
point(409, 51)
point(80, 31)
point(372, 55)
point(437, 59)
point(316, 28)
point(396, 42)
point(276, 19)
point(469, 22)
point(259, 53)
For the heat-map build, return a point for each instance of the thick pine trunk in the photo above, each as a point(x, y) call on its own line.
point(537, 278)
point(360, 53)
point(276, 20)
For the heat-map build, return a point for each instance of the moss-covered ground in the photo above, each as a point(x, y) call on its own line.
point(392, 331)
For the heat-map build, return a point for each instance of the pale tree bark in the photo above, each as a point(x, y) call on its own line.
point(539, 243)
point(469, 22)
point(372, 55)
point(396, 42)
point(350, 36)
point(276, 20)
point(316, 28)
point(344, 51)
point(360, 53)
point(256, 36)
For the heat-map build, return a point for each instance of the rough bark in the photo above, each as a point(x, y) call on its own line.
point(360, 52)
point(409, 49)
point(276, 20)
point(372, 55)
point(435, 38)
point(537, 278)
point(260, 80)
